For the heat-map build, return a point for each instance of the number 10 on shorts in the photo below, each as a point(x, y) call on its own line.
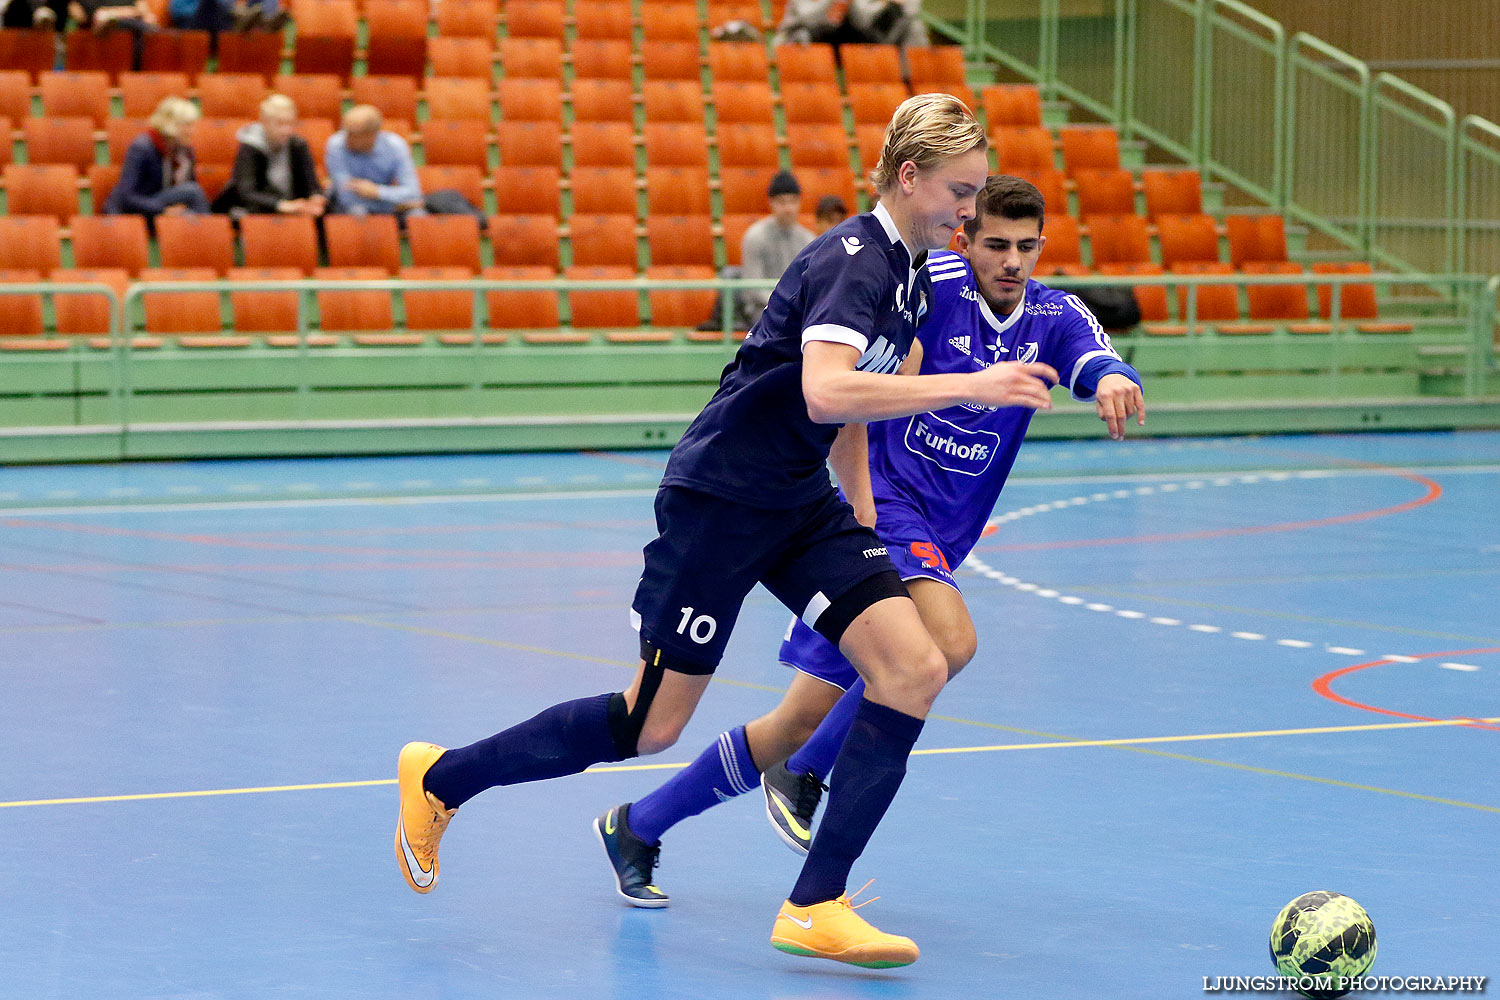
point(699, 629)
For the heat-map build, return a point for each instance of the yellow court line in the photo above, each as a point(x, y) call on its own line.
point(1061, 742)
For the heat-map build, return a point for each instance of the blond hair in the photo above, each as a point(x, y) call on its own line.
point(278, 104)
point(926, 129)
point(171, 115)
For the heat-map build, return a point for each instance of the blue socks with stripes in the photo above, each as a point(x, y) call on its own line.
point(866, 776)
point(721, 772)
point(563, 739)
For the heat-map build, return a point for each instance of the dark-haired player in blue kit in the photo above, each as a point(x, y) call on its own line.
point(932, 483)
point(746, 498)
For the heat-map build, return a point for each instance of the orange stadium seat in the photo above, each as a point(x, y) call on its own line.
point(810, 103)
point(466, 180)
point(20, 315)
point(1187, 239)
point(429, 310)
point(875, 103)
point(741, 61)
point(1118, 239)
point(356, 309)
point(1151, 299)
point(681, 307)
point(603, 240)
point(456, 143)
point(80, 95)
point(673, 101)
point(231, 95)
point(602, 100)
point(744, 189)
point(140, 93)
point(195, 241)
point(536, 309)
point(15, 94)
point(317, 95)
point(534, 19)
point(470, 57)
point(677, 191)
point(397, 38)
point(524, 240)
point(1172, 192)
point(1216, 303)
point(868, 140)
point(743, 102)
point(5, 140)
point(734, 227)
point(1276, 302)
point(119, 133)
point(176, 52)
point(27, 50)
point(110, 241)
point(215, 140)
point(1105, 192)
point(676, 144)
point(260, 53)
point(443, 241)
point(1255, 237)
point(326, 33)
point(111, 53)
point(30, 243)
point(529, 99)
point(467, 18)
point(602, 309)
point(746, 145)
point(601, 59)
point(265, 312)
point(394, 96)
point(280, 241)
point(533, 58)
point(805, 64)
point(671, 60)
point(938, 66)
point(458, 98)
point(102, 178)
point(670, 22)
point(1023, 147)
point(818, 146)
point(604, 190)
point(818, 181)
point(680, 239)
point(530, 144)
point(865, 64)
point(1089, 147)
point(59, 140)
point(608, 19)
point(1063, 251)
point(1355, 301)
point(181, 312)
point(316, 132)
point(1012, 105)
point(41, 189)
point(85, 313)
point(1053, 186)
point(363, 241)
point(603, 144)
point(527, 191)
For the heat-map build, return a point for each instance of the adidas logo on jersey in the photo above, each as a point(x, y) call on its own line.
point(961, 343)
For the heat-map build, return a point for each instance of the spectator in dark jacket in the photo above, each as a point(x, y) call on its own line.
point(273, 167)
point(158, 173)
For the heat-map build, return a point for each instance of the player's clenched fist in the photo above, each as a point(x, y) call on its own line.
point(1011, 383)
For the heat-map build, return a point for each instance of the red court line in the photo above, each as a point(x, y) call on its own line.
point(1324, 686)
point(1433, 492)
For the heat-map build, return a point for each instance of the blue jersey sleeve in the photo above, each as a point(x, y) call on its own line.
point(844, 291)
point(1076, 343)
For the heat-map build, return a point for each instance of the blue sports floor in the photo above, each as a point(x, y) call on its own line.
point(1213, 674)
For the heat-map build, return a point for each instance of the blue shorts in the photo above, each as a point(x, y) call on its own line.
point(914, 552)
point(710, 552)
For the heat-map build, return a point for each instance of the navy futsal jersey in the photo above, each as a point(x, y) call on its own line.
point(951, 464)
point(754, 442)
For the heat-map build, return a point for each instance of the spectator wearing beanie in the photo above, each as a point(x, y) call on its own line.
point(772, 242)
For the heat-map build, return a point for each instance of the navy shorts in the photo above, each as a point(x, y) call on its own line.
point(916, 555)
point(710, 552)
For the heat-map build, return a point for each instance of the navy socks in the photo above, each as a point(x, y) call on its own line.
point(563, 739)
point(721, 772)
point(866, 775)
point(817, 755)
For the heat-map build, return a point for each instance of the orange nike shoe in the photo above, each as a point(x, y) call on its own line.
point(422, 818)
point(834, 931)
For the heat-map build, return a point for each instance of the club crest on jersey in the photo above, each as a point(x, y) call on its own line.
point(880, 358)
point(1028, 353)
point(949, 446)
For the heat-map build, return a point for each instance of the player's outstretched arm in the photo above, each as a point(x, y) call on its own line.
point(1117, 399)
point(836, 393)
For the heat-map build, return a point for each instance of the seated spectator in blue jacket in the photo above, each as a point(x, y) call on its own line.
point(371, 171)
point(158, 174)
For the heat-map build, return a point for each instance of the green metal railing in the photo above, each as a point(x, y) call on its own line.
point(1369, 160)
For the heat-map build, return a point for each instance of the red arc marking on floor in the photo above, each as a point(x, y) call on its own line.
point(1324, 686)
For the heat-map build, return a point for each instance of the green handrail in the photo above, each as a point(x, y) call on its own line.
point(1292, 116)
point(1447, 131)
point(1473, 133)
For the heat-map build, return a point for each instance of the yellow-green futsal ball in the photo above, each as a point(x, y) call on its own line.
point(1321, 938)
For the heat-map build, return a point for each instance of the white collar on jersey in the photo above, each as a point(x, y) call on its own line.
point(999, 325)
point(883, 215)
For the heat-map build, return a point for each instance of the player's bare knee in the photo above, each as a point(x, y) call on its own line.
point(657, 736)
point(958, 649)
